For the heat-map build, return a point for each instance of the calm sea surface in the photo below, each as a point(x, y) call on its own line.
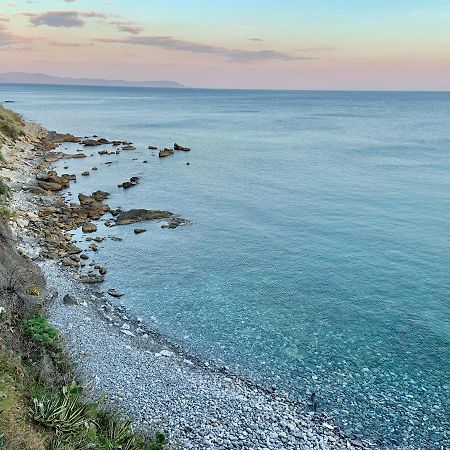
point(319, 254)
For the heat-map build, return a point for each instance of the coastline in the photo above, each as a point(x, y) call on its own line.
point(154, 381)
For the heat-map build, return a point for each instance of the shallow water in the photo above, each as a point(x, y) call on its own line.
point(318, 257)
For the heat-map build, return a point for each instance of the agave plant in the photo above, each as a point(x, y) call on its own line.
point(115, 434)
point(64, 413)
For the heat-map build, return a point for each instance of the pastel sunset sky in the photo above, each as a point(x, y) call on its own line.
point(287, 44)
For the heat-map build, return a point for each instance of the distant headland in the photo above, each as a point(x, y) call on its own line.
point(40, 78)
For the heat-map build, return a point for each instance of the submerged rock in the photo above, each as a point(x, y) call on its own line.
point(74, 155)
point(115, 293)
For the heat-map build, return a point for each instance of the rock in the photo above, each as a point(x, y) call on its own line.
point(74, 155)
point(152, 147)
point(134, 179)
point(73, 250)
point(145, 161)
point(128, 333)
point(139, 215)
point(103, 152)
point(89, 227)
point(70, 300)
point(165, 152)
point(92, 278)
point(100, 195)
point(47, 371)
point(165, 353)
point(102, 270)
point(94, 168)
point(94, 142)
point(52, 157)
point(139, 230)
point(84, 256)
point(187, 164)
point(115, 293)
point(49, 186)
point(128, 147)
point(127, 185)
point(175, 222)
point(69, 262)
point(93, 247)
point(181, 148)
point(36, 190)
point(85, 174)
point(99, 239)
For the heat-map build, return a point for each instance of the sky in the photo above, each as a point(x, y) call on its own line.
point(261, 44)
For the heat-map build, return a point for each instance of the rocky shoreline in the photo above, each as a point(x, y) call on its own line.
point(137, 370)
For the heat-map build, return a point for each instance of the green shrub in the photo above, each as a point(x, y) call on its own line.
point(5, 191)
point(6, 213)
point(10, 123)
point(39, 330)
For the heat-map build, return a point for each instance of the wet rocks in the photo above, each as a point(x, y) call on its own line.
point(94, 142)
point(175, 223)
point(127, 184)
point(128, 147)
point(74, 155)
point(139, 230)
point(115, 293)
point(52, 157)
point(85, 173)
point(50, 186)
point(181, 148)
point(166, 152)
point(89, 227)
point(139, 215)
point(100, 195)
point(152, 147)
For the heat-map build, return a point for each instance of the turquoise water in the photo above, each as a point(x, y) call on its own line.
point(319, 254)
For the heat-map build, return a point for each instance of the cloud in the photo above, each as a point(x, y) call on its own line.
point(67, 19)
point(237, 55)
point(64, 44)
point(7, 38)
point(128, 27)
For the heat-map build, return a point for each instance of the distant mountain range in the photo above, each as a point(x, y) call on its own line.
point(41, 78)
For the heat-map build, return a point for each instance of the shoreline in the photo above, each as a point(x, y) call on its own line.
point(224, 407)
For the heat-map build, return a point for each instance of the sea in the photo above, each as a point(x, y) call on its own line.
point(317, 257)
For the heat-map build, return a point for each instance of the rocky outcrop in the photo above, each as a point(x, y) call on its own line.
point(166, 152)
point(89, 227)
point(74, 155)
point(94, 142)
point(140, 215)
point(181, 148)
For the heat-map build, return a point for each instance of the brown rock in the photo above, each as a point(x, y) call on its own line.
point(85, 173)
point(165, 152)
point(49, 186)
point(181, 148)
point(139, 215)
point(74, 155)
point(89, 227)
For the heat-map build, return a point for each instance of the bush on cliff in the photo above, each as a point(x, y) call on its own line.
point(11, 124)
